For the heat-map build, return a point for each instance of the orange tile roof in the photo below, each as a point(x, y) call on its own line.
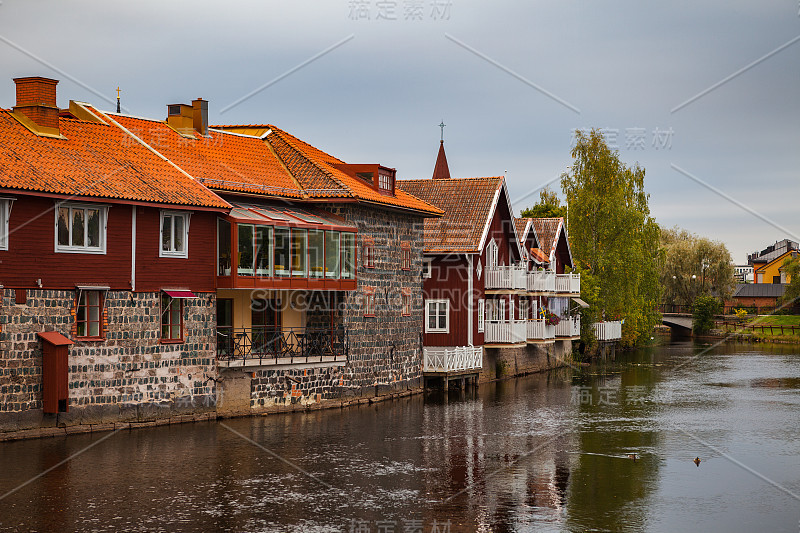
point(319, 178)
point(467, 205)
point(222, 161)
point(521, 224)
point(539, 256)
point(95, 160)
point(547, 231)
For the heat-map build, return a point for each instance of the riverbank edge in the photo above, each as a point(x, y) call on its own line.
point(63, 431)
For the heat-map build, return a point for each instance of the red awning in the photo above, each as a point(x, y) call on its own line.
point(180, 294)
point(55, 338)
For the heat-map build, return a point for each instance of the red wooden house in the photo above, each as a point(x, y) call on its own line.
point(104, 248)
point(484, 302)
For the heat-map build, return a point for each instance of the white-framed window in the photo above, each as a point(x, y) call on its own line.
point(491, 254)
point(437, 316)
point(481, 315)
point(5, 215)
point(174, 234)
point(81, 228)
point(427, 268)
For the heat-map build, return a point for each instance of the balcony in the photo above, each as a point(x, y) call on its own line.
point(456, 359)
point(568, 283)
point(538, 330)
point(569, 327)
point(541, 281)
point(505, 332)
point(264, 346)
point(608, 331)
point(510, 278)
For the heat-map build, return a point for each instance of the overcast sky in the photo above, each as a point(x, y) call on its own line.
point(704, 95)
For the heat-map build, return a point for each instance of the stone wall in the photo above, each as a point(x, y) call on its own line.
point(129, 376)
point(499, 363)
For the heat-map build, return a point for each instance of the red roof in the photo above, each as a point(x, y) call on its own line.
point(95, 160)
point(467, 204)
point(547, 231)
point(441, 171)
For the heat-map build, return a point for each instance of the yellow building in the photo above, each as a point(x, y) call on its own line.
point(772, 271)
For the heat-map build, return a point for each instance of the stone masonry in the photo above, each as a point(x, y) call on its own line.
point(130, 376)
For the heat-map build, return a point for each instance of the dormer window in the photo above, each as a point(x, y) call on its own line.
point(385, 181)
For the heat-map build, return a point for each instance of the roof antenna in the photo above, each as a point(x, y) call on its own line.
point(118, 107)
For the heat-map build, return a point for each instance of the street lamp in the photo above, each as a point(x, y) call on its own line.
point(705, 264)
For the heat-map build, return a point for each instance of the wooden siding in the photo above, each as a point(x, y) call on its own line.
point(31, 255)
point(449, 281)
point(196, 273)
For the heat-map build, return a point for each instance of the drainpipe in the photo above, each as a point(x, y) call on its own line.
point(133, 248)
point(470, 298)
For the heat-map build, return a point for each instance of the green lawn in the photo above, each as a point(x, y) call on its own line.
point(776, 320)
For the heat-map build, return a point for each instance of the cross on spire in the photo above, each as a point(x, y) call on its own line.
point(118, 107)
point(442, 125)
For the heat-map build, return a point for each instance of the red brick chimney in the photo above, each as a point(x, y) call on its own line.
point(36, 100)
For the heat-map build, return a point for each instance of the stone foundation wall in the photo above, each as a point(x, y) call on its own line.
point(130, 376)
point(499, 363)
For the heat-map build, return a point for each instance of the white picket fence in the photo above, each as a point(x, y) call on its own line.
point(569, 327)
point(608, 331)
point(570, 283)
point(538, 330)
point(505, 277)
point(505, 331)
point(446, 359)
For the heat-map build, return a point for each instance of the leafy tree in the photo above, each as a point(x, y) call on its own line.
point(613, 236)
point(694, 266)
point(548, 206)
point(791, 267)
point(703, 311)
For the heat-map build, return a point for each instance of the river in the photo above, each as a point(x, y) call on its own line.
point(548, 452)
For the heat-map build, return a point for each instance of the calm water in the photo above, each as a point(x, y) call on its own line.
point(544, 453)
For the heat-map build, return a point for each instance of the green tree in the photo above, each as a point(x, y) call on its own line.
point(693, 266)
point(703, 311)
point(613, 236)
point(548, 206)
point(791, 267)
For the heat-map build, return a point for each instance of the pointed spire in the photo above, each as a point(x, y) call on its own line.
point(441, 171)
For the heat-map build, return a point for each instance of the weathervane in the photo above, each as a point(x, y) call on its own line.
point(442, 125)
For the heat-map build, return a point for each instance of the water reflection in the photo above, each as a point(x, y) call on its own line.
point(549, 452)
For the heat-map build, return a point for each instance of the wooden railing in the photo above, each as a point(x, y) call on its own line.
point(505, 331)
point(608, 331)
point(505, 277)
point(271, 345)
point(569, 327)
point(537, 329)
point(458, 358)
point(763, 328)
point(570, 283)
point(541, 281)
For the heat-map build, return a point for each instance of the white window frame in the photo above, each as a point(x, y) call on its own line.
point(427, 268)
point(5, 216)
point(491, 254)
point(82, 249)
point(481, 315)
point(174, 253)
point(437, 329)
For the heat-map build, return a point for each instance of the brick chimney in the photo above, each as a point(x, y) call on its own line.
point(200, 116)
point(36, 100)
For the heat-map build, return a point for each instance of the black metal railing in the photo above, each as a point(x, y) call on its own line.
point(272, 345)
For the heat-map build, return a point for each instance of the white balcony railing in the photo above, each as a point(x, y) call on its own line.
point(505, 277)
point(442, 359)
point(608, 331)
point(541, 281)
point(569, 327)
point(570, 283)
point(505, 331)
point(538, 330)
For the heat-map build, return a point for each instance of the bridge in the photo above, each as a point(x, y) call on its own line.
point(679, 322)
